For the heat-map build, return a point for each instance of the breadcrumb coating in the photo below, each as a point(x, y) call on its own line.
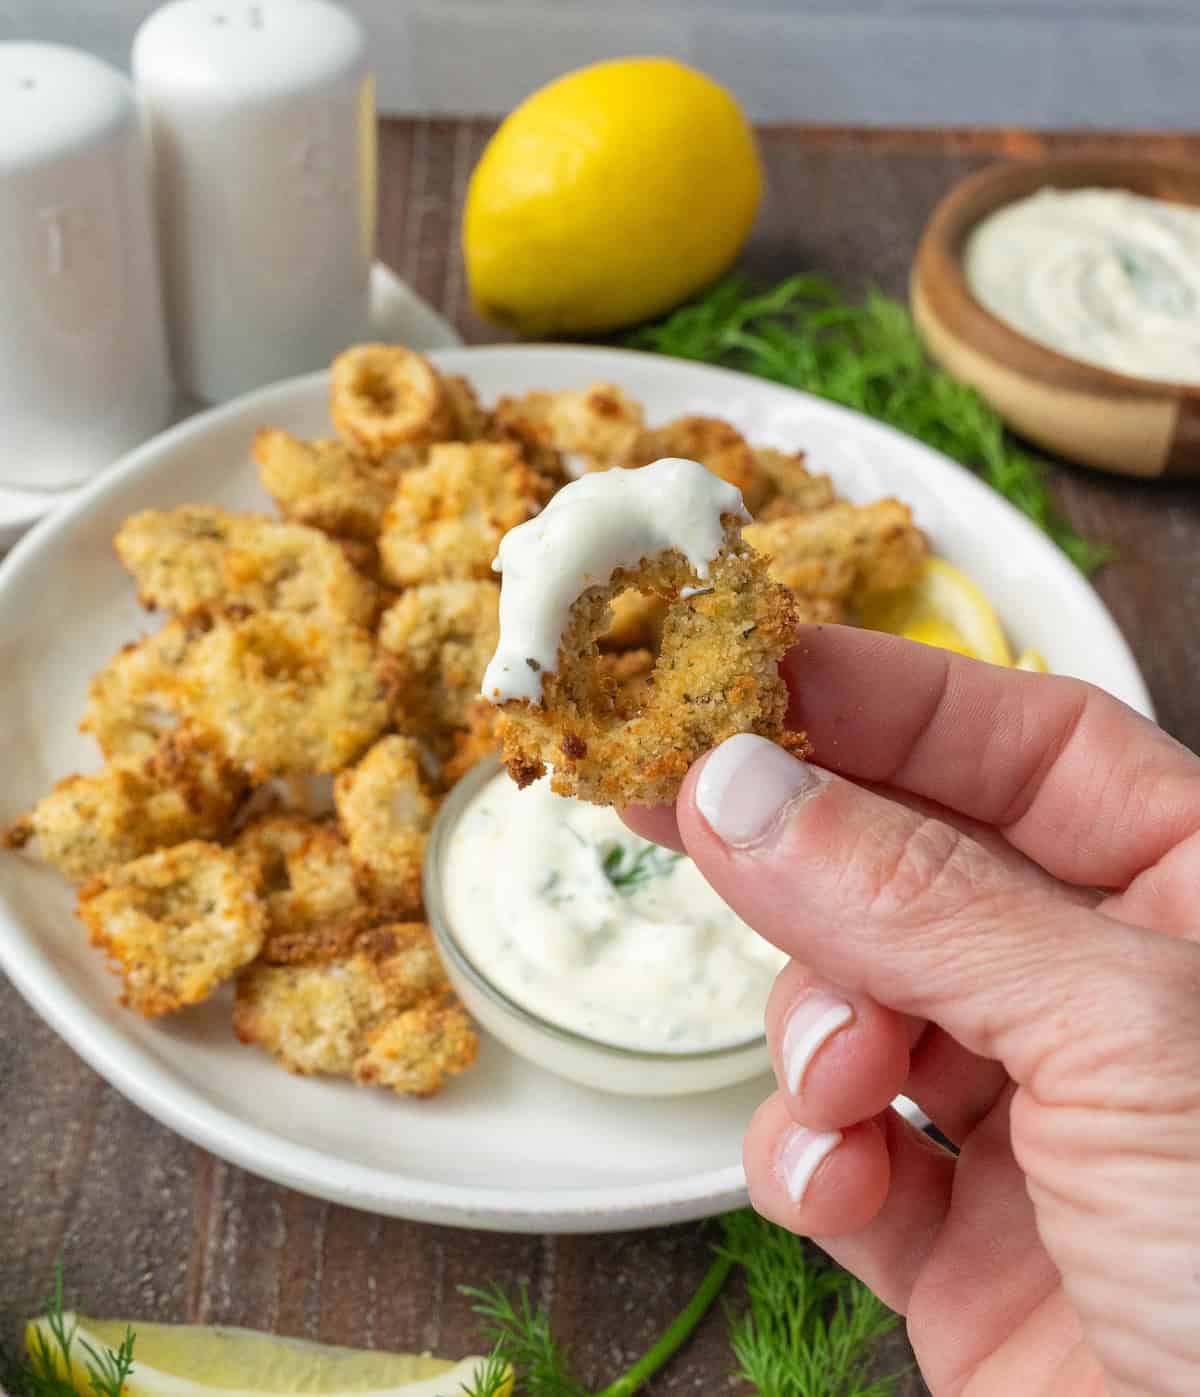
point(438, 639)
point(139, 695)
point(716, 674)
point(184, 789)
point(382, 396)
point(301, 869)
point(198, 558)
point(288, 694)
point(176, 923)
point(380, 1014)
point(386, 808)
point(329, 486)
point(448, 516)
point(838, 553)
point(715, 443)
point(572, 431)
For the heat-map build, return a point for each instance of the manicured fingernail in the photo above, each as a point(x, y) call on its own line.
point(801, 1156)
point(746, 782)
point(814, 1020)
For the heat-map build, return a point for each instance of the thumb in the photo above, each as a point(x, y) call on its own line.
point(930, 921)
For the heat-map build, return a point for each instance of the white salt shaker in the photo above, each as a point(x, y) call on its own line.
point(263, 124)
point(83, 356)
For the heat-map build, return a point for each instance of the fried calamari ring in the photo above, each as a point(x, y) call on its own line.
point(383, 396)
point(716, 674)
point(199, 558)
point(328, 485)
point(177, 923)
point(301, 870)
point(139, 695)
point(287, 694)
point(184, 789)
point(438, 639)
point(836, 554)
point(381, 1014)
point(386, 808)
point(449, 516)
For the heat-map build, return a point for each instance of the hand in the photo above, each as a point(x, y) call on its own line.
point(991, 892)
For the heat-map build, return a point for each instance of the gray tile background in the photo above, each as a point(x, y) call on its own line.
point(1055, 63)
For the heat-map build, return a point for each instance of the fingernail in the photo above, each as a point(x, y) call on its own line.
point(814, 1020)
point(746, 782)
point(801, 1155)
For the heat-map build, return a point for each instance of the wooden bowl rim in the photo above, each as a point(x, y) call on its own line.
point(939, 276)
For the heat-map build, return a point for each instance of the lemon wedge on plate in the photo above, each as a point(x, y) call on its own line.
point(942, 607)
point(1032, 660)
point(188, 1360)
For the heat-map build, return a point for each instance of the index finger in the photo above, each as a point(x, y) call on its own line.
point(1071, 776)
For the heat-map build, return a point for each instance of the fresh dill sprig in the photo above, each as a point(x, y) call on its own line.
point(627, 871)
point(47, 1372)
point(521, 1336)
point(492, 1380)
point(867, 356)
point(541, 1368)
point(808, 1330)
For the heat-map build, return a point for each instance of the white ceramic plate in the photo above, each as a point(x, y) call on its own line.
point(508, 1147)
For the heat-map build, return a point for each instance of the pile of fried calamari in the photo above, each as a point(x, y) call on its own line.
point(275, 753)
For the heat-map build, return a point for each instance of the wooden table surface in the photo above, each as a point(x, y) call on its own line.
point(151, 1227)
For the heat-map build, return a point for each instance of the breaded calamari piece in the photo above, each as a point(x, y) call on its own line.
point(139, 695)
point(417, 1050)
point(841, 552)
point(288, 694)
point(438, 639)
point(177, 923)
point(184, 789)
point(382, 396)
point(593, 427)
point(327, 485)
point(347, 1017)
point(198, 558)
point(386, 809)
point(301, 869)
point(448, 516)
point(479, 737)
point(716, 674)
point(794, 488)
point(468, 419)
point(715, 443)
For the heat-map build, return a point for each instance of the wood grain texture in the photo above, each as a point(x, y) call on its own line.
point(150, 1227)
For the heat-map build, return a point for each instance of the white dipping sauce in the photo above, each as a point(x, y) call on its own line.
point(1105, 276)
point(593, 526)
point(578, 920)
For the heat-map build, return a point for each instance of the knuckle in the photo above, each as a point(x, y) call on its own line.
point(926, 874)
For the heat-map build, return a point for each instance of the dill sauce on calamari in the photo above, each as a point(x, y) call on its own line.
point(587, 926)
point(1108, 277)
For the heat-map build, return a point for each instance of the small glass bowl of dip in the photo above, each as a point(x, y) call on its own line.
point(589, 1061)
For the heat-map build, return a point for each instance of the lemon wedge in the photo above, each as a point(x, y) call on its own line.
point(191, 1360)
point(1032, 660)
point(942, 607)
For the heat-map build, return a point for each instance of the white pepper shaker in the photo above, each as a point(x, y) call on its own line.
point(262, 117)
point(83, 356)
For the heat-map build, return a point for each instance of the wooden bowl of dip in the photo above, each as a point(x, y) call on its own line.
point(1099, 417)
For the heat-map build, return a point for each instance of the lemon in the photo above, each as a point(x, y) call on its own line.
point(942, 607)
point(609, 196)
point(188, 1360)
point(1033, 660)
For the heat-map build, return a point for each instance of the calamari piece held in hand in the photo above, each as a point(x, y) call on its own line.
point(670, 529)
